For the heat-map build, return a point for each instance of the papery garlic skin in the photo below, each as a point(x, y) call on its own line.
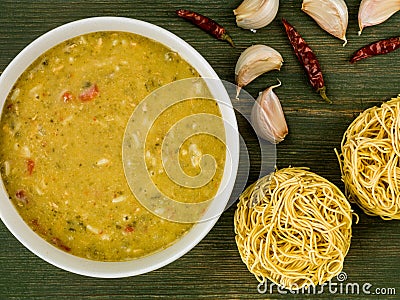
point(374, 12)
point(267, 117)
point(255, 14)
point(254, 61)
point(331, 15)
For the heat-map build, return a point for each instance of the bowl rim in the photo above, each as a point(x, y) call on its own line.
point(86, 267)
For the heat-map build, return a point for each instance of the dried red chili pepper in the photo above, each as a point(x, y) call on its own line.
point(308, 59)
point(376, 48)
point(207, 24)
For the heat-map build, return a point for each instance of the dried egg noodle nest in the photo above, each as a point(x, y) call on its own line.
point(370, 160)
point(293, 227)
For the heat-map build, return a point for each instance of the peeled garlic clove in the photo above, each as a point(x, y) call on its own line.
point(267, 117)
point(254, 61)
point(331, 15)
point(255, 14)
point(374, 12)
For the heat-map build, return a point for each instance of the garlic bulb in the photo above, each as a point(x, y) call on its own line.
point(267, 117)
point(255, 14)
point(254, 61)
point(373, 12)
point(331, 15)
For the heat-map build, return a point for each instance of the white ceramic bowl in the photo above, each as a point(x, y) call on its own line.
point(63, 260)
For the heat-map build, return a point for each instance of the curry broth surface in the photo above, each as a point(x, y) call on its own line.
point(61, 135)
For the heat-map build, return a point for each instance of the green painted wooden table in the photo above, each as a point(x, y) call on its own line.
point(213, 269)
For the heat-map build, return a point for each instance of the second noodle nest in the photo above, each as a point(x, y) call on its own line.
point(293, 227)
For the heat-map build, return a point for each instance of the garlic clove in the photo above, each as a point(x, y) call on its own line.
point(254, 61)
point(374, 12)
point(255, 14)
point(267, 117)
point(331, 15)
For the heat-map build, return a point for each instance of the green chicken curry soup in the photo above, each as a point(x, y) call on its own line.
point(61, 134)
